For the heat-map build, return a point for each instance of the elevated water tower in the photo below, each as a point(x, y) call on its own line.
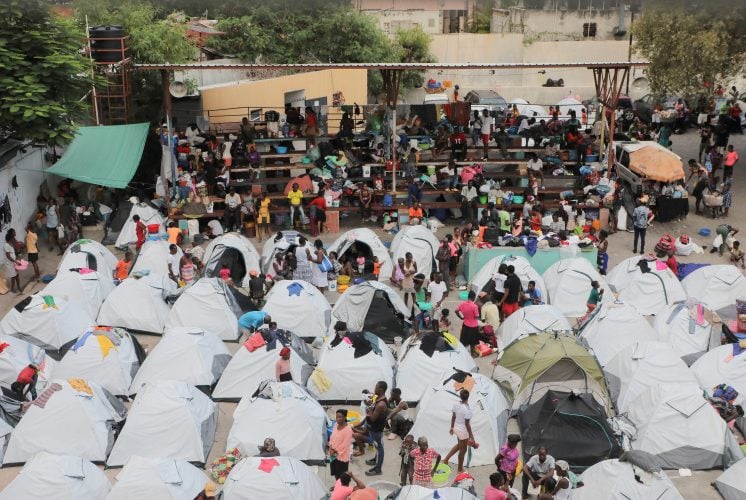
point(112, 66)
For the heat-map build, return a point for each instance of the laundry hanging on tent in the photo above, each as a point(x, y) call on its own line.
point(41, 401)
point(4, 346)
point(294, 289)
point(322, 382)
point(80, 385)
point(105, 344)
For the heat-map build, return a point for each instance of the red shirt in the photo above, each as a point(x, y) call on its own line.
point(319, 202)
point(140, 230)
point(26, 376)
point(492, 493)
point(423, 464)
point(470, 312)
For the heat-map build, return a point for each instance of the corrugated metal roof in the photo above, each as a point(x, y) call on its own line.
point(394, 66)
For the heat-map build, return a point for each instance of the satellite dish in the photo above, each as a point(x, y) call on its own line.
point(178, 89)
point(641, 85)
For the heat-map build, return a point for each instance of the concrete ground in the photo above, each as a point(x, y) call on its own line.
point(698, 486)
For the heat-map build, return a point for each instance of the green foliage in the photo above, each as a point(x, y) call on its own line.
point(43, 76)
point(687, 48)
point(412, 45)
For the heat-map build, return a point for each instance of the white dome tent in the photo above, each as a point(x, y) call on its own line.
point(345, 368)
point(569, 103)
point(489, 421)
point(299, 307)
point(723, 365)
point(365, 241)
point(139, 304)
point(568, 283)
point(482, 280)
point(153, 258)
point(88, 253)
point(235, 250)
point(615, 480)
point(168, 419)
point(73, 416)
point(148, 215)
point(528, 320)
point(374, 307)
point(675, 423)
point(689, 328)
point(640, 366)
point(612, 327)
point(731, 484)
point(291, 479)
point(88, 289)
point(429, 358)
point(58, 477)
point(247, 369)
point(190, 355)
point(718, 286)
point(415, 492)
point(158, 478)
point(421, 243)
point(281, 242)
point(110, 356)
point(211, 304)
point(648, 291)
point(49, 322)
point(18, 354)
point(285, 411)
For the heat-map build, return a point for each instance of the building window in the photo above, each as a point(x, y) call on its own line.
point(589, 30)
point(431, 23)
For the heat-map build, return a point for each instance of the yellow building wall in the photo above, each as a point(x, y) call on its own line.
point(229, 103)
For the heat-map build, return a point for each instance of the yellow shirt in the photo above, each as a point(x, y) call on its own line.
point(295, 197)
point(264, 208)
point(31, 239)
point(173, 235)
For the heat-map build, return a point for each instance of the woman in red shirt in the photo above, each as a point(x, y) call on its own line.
point(317, 214)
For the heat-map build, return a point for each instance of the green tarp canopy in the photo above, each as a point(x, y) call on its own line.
point(105, 156)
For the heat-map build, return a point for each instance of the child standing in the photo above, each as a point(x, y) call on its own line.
point(361, 264)
point(406, 470)
point(444, 322)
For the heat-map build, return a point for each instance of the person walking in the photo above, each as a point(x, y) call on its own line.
point(340, 442)
point(318, 274)
point(461, 428)
point(141, 231)
point(641, 219)
point(409, 269)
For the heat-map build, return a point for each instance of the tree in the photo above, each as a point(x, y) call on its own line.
point(689, 48)
point(42, 73)
point(413, 45)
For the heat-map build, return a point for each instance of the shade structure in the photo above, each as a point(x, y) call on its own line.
point(539, 362)
point(157, 478)
point(168, 419)
point(422, 360)
point(104, 156)
point(490, 411)
point(656, 163)
point(278, 478)
point(70, 416)
point(612, 327)
point(288, 413)
point(615, 480)
point(573, 426)
point(421, 243)
point(731, 483)
point(299, 307)
point(528, 320)
point(568, 282)
point(58, 477)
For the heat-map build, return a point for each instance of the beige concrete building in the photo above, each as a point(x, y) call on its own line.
point(228, 103)
point(433, 16)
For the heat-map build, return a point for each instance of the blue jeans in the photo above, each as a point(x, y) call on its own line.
point(450, 182)
point(377, 439)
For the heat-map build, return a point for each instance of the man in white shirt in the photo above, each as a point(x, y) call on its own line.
point(232, 214)
point(173, 262)
point(557, 224)
point(437, 291)
point(488, 124)
point(468, 204)
point(535, 165)
point(538, 470)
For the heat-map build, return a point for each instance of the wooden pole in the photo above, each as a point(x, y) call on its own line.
point(167, 110)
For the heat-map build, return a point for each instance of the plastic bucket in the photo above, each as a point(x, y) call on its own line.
point(281, 150)
point(463, 295)
point(482, 199)
point(431, 170)
point(154, 228)
point(442, 473)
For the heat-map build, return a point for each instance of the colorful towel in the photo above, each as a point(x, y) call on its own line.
point(43, 398)
point(82, 340)
point(321, 380)
point(49, 302)
point(80, 385)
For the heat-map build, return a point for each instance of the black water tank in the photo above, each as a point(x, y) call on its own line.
point(106, 43)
